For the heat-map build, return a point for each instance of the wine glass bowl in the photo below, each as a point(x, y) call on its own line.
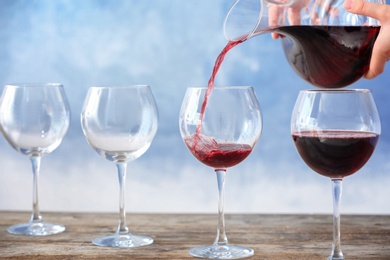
point(119, 123)
point(335, 133)
point(220, 128)
point(34, 119)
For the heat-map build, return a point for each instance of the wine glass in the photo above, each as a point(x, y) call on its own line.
point(335, 133)
point(119, 123)
point(34, 119)
point(220, 128)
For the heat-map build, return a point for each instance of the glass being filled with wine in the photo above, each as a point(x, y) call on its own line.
point(335, 133)
point(120, 122)
point(220, 128)
point(34, 119)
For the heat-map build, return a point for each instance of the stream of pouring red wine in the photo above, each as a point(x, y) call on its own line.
point(210, 85)
point(324, 56)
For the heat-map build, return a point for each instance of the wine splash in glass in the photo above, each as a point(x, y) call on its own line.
point(230, 128)
point(335, 133)
point(120, 123)
point(34, 120)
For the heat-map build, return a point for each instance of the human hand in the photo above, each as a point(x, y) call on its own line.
point(381, 50)
point(276, 14)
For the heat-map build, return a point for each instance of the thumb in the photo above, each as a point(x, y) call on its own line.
point(362, 7)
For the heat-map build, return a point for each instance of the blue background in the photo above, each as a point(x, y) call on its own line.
point(169, 45)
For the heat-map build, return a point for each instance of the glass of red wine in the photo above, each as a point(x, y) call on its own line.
point(119, 123)
point(335, 133)
point(220, 128)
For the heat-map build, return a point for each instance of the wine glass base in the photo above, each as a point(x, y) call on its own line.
point(123, 241)
point(221, 252)
point(36, 229)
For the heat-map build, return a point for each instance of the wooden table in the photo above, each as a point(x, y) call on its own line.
point(271, 236)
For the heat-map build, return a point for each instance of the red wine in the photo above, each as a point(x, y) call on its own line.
point(210, 85)
point(333, 153)
point(325, 56)
point(329, 56)
point(217, 155)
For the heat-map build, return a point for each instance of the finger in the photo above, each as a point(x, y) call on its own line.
point(376, 68)
point(377, 65)
point(294, 16)
point(275, 35)
point(273, 15)
point(380, 53)
point(374, 10)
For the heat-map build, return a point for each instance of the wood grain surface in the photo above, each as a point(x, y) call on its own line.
point(271, 236)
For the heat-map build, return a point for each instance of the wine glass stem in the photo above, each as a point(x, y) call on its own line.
point(122, 228)
point(36, 165)
point(336, 248)
point(221, 238)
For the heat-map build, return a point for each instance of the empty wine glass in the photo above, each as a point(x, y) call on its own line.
point(120, 123)
point(34, 119)
point(220, 128)
point(335, 133)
